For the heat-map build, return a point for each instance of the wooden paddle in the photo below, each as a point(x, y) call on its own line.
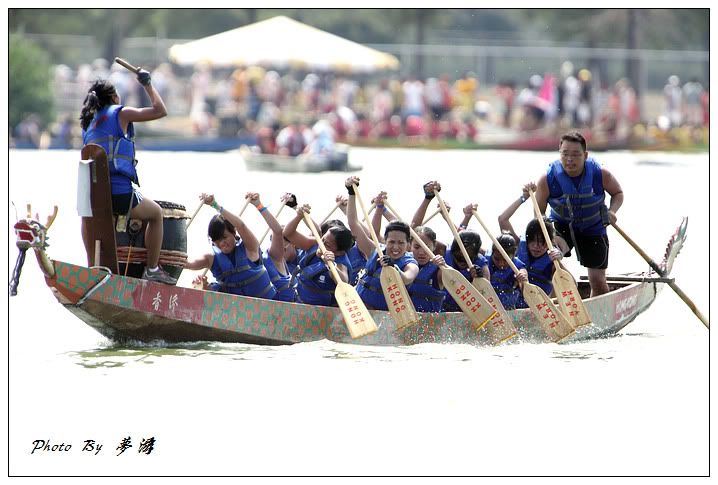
point(127, 65)
point(275, 215)
point(438, 211)
point(662, 273)
point(570, 303)
point(553, 322)
point(330, 213)
point(196, 211)
point(500, 328)
point(396, 295)
point(198, 286)
point(471, 302)
point(356, 316)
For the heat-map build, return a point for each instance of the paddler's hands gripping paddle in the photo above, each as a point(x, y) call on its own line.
point(197, 283)
point(466, 296)
point(396, 295)
point(500, 328)
point(553, 322)
point(570, 303)
point(356, 316)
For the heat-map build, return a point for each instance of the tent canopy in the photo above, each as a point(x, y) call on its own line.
point(282, 43)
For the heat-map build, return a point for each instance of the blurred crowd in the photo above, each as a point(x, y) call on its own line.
point(289, 111)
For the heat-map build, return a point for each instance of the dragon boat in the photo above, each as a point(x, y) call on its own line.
point(128, 309)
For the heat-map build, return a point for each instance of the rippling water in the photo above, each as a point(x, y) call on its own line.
point(634, 404)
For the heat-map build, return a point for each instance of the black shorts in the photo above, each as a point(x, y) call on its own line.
point(121, 202)
point(591, 251)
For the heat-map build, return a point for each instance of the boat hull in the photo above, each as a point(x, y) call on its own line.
point(129, 309)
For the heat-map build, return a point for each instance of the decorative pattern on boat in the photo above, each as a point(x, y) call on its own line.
point(135, 308)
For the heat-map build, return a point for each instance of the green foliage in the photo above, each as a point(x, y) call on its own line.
point(29, 83)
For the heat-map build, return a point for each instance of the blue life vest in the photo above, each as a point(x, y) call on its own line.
point(105, 130)
point(369, 286)
point(243, 277)
point(540, 270)
point(358, 262)
point(282, 283)
point(578, 201)
point(504, 281)
point(424, 290)
point(449, 302)
point(315, 285)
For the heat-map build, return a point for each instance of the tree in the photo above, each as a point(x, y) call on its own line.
point(29, 83)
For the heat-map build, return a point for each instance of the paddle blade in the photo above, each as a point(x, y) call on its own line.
point(553, 322)
point(356, 316)
point(569, 299)
point(500, 328)
point(467, 297)
point(397, 298)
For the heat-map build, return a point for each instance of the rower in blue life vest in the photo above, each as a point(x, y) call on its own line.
point(532, 249)
point(235, 262)
point(506, 283)
point(105, 121)
point(426, 291)
point(575, 187)
point(281, 251)
point(395, 249)
point(315, 285)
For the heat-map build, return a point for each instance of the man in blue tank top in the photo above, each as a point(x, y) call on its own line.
point(575, 186)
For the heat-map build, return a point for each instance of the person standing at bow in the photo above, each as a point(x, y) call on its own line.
point(575, 187)
point(109, 124)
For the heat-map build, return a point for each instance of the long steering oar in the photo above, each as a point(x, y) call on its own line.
point(570, 302)
point(396, 295)
point(500, 328)
point(548, 316)
point(471, 302)
point(279, 211)
point(356, 316)
point(662, 273)
point(204, 273)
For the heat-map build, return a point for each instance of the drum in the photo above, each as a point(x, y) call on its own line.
point(131, 250)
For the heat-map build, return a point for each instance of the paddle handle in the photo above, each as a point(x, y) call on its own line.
point(662, 273)
point(275, 215)
point(431, 217)
point(330, 264)
point(539, 216)
point(413, 233)
point(330, 213)
point(196, 211)
point(496, 243)
point(371, 208)
point(457, 238)
point(127, 65)
point(372, 232)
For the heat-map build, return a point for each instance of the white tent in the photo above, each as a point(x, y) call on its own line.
point(281, 42)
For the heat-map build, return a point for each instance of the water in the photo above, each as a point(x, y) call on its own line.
point(635, 404)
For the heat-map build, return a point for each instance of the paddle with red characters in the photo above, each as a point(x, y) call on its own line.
point(356, 316)
point(471, 302)
point(553, 322)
